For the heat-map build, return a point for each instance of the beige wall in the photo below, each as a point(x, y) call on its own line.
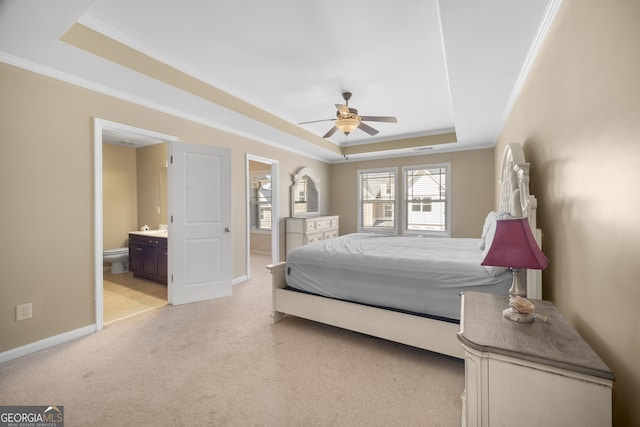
point(472, 188)
point(119, 194)
point(46, 182)
point(579, 118)
point(260, 243)
point(151, 165)
point(132, 190)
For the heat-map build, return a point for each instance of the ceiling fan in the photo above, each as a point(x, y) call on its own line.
point(347, 119)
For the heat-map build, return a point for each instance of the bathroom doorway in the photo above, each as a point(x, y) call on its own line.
point(262, 210)
point(134, 182)
point(131, 187)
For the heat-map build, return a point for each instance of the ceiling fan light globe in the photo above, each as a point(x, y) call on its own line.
point(348, 125)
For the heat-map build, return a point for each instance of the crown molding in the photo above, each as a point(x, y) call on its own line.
point(86, 84)
point(543, 29)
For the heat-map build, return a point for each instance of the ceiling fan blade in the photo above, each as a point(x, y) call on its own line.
point(316, 121)
point(343, 109)
point(379, 119)
point(331, 132)
point(368, 129)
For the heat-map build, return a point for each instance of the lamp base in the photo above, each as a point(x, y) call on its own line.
point(513, 314)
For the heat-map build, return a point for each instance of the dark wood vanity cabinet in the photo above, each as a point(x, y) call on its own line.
point(148, 257)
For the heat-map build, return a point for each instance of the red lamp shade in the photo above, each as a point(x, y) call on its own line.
point(514, 246)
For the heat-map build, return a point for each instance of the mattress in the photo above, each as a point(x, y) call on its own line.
point(409, 273)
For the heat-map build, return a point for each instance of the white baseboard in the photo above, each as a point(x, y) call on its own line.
point(238, 280)
point(46, 343)
point(253, 251)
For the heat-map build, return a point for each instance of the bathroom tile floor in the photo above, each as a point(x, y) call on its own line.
point(125, 296)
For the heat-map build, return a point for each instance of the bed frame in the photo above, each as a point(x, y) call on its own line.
point(418, 331)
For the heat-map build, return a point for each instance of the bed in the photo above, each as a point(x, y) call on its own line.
point(403, 288)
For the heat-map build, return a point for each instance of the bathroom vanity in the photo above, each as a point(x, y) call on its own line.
point(148, 255)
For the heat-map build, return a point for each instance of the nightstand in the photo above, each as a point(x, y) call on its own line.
point(529, 374)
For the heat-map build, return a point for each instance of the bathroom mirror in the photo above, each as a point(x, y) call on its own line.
point(305, 197)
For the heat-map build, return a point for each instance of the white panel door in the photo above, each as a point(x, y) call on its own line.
point(199, 230)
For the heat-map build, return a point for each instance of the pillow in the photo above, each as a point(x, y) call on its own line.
point(485, 228)
point(490, 219)
point(488, 240)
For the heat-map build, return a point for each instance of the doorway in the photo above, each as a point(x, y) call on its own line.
point(198, 253)
point(124, 135)
point(262, 209)
point(134, 173)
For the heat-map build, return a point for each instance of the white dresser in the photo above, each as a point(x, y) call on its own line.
point(302, 231)
point(529, 374)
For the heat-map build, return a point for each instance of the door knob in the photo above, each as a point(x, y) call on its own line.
point(227, 229)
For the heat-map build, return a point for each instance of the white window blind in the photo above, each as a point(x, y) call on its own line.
point(377, 210)
point(426, 198)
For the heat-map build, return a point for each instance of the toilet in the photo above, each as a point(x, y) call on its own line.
point(119, 259)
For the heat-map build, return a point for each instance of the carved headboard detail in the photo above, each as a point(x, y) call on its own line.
point(516, 199)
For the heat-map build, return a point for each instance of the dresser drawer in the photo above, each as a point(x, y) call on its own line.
point(311, 226)
point(315, 237)
point(330, 234)
point(323, 224)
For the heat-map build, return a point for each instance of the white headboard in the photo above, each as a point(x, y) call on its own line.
point(516, 199)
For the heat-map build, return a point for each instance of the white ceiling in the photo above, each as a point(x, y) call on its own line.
point(438, 66)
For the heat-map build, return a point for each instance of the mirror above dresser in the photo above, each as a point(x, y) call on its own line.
point(305, 194)
point(306, 225)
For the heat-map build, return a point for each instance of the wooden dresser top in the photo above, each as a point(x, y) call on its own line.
point(553, 343)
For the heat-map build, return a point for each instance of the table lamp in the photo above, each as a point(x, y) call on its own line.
point(514, 247)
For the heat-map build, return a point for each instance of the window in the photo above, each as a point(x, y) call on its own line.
point(260, 215)
point(422, 206)
point(426, 199)
point(377, 204)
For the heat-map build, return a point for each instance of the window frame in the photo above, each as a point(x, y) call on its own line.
point(253, 175)
point(401, 201)
point(359, 201)
point(405, 201)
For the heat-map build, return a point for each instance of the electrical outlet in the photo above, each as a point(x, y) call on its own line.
point(23, 312)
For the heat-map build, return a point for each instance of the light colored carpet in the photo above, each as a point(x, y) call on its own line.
point(221, 363)
point(125, 295)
